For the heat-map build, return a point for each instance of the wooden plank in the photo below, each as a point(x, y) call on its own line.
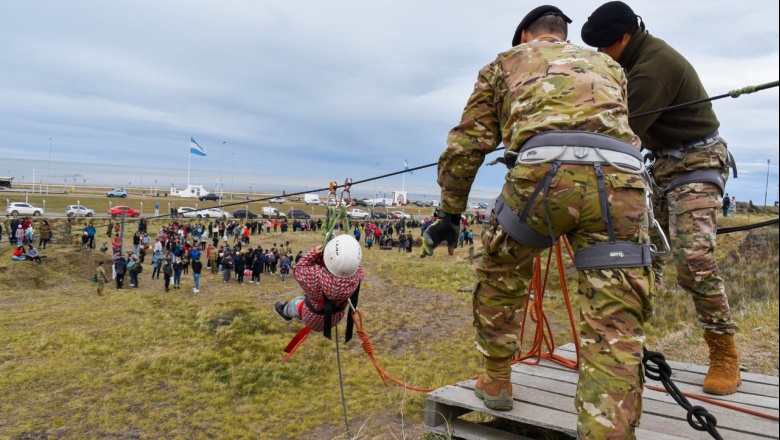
point(462, 429)
point(546, 418)
point(544, 394)
point(568, 388)
point(763, 404)
point(760, 397)
point(568, 351)
point(532, 414)
point(660, 414)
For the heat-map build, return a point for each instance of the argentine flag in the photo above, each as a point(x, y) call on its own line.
point(406, 167)
point(195, 148)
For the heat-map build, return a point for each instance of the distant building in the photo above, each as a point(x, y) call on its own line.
point(5, 182)
point(190, 191)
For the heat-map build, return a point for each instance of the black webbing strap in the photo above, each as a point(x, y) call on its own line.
point(698, 176)
point(516, 226)
point(350, 321)
point(605, 214)
point(327, 312)
point(614, 254)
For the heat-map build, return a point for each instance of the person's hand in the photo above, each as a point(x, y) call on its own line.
point(444, 229)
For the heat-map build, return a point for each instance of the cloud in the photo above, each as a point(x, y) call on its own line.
point(317, 90)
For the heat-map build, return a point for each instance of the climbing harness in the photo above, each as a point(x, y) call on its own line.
point(696, 176)
point(576, 147)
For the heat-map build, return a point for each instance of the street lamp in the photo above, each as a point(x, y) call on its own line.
point(221, 189)
point(766, 190)
point(48, 168)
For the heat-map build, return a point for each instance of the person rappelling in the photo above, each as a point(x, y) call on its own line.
point(329, 277)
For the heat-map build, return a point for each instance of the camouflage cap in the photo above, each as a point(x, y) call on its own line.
point(534, 15)
point(607, 24)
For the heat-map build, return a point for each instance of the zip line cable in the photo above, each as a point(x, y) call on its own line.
point(734, 94)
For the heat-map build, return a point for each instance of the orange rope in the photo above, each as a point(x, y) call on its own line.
point(369, 349)
point(534, 310)
point(543, 336)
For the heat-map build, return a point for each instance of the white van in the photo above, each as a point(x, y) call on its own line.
point(269, 212)
point(312, 199)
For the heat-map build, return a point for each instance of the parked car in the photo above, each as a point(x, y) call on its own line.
point(21, 208)
point(358, 214)
point(213, 213)
point(400, 214)
point(312, 199)
point(277, 200)
point(243, 213)
point(419, 203)
point(187, 212)
point(297, 213)
point(379, 214)
point(116, 211)
point(210, 196)
point(79, 211)
point(269, 212)
point(117, 192)
point(361, 202)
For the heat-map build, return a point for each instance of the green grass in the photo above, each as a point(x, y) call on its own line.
point(145, 364)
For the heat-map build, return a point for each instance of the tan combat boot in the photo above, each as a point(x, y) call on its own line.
point(494, 386)
point(723, 376)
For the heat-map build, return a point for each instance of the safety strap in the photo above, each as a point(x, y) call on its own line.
point(606, 215)
point(327, 311)
point(613, 255)
point(516, 226)
point(697, 176)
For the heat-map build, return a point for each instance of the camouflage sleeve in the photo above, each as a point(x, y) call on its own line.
point(477, 135)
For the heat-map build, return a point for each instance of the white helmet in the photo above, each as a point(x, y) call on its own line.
point(342, 256)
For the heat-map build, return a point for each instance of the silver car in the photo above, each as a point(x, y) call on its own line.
point(79, 211)
point(21, 208)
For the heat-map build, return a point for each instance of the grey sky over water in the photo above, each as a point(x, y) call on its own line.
point(323, 90)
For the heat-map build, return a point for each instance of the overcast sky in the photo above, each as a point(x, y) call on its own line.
point(322, 89)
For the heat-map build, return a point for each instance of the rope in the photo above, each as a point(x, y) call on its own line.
point(341, 384)
point(535, 311)
point(734, 94)
point(747, 227)
point(369, 349)
point(663, 372)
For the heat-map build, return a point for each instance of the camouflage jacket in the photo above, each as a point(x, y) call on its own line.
point(534, 87)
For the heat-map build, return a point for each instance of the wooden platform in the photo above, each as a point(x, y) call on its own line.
point(544, 397)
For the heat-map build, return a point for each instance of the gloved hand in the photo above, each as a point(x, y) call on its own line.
point(444, 229)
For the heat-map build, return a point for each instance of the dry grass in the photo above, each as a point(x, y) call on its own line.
point(145, 364)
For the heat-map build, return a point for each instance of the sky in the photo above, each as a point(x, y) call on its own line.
point(313, 91)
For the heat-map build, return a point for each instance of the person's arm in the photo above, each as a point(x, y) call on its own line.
point(477, 135)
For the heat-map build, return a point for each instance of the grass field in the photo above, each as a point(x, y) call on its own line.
point(140, 363)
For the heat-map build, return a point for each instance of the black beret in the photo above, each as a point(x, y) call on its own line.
point(534, 15)
point(607, 24)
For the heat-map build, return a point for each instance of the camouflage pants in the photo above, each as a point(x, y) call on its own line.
point(688, 215)
point(614, 303)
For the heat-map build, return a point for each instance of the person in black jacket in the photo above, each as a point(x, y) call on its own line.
point(167, 272)
point(239, 265)
point(120, 266)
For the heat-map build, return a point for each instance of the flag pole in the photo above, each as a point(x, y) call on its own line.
point(189, 160)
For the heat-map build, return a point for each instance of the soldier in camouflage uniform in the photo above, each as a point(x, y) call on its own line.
point(546, 84)
point(690, 169)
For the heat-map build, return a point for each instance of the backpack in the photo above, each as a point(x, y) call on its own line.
point(138, 268)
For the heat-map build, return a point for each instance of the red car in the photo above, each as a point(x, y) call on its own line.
point(116, 211)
